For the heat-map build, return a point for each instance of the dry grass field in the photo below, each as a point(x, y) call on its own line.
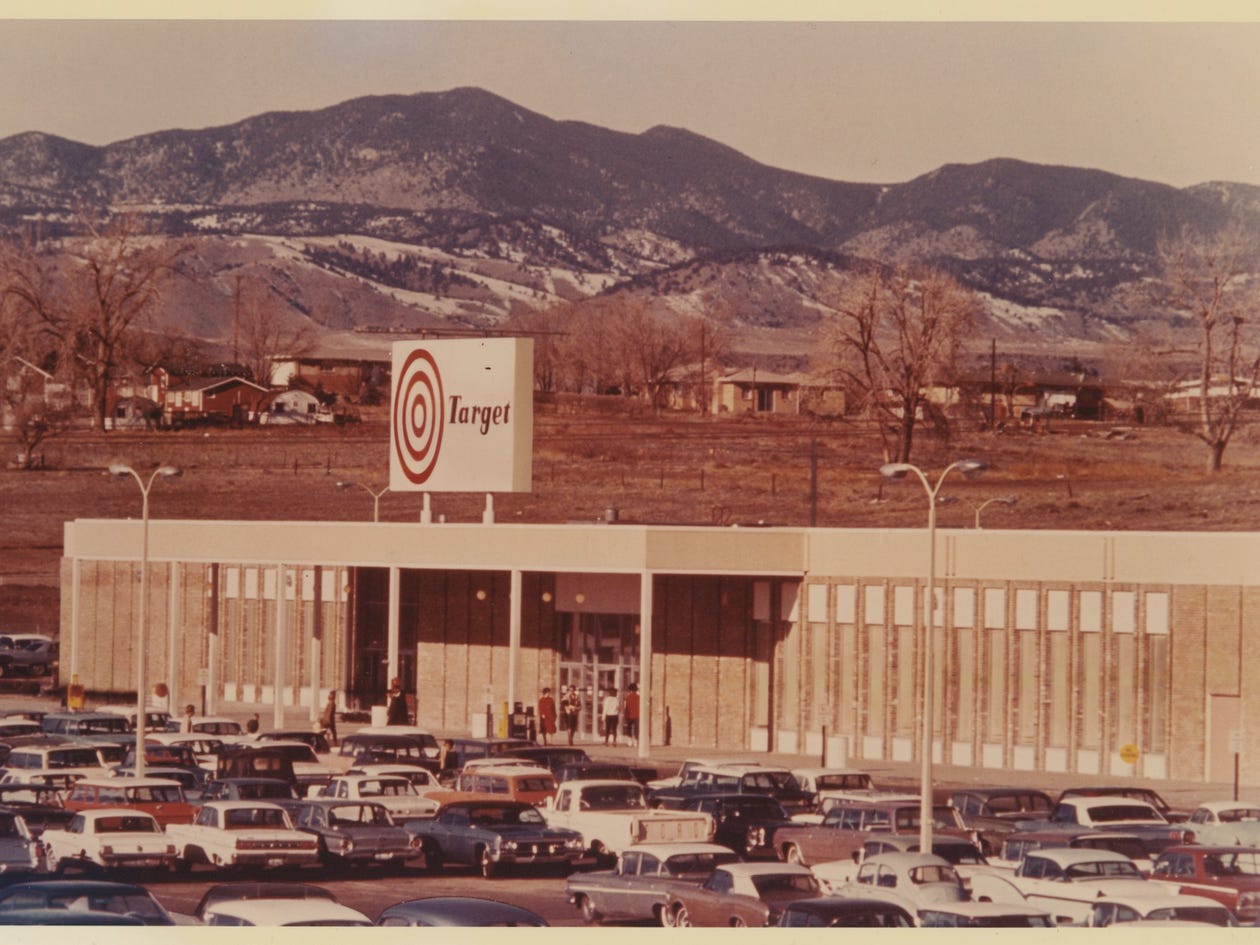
point(692, 470)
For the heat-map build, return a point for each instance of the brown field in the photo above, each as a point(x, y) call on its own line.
point(690, 470)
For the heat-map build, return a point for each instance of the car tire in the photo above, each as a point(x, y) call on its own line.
point(39, 669)
point(738, 923)
point(486, 864)
point(590, 915)
point(682, 920)
point(432, 858)
point(793, 855)
point(664, 916)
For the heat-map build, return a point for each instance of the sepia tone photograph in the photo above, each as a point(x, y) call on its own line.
point(646, 472)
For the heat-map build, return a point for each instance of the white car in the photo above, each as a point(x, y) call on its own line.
point(689, 767)
point(398, 795)
point(422, 779)
point(109, 838)
point(911, 880)
point(1228, 822)
point(1066, 881)
point(984, 915)
point(243, 833)
point(1157, 905)
point(282, 912)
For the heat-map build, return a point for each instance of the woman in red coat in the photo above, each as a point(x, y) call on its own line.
point(546, 715)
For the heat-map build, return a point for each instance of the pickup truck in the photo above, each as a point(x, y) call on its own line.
point(611, 815)
point(242, 833)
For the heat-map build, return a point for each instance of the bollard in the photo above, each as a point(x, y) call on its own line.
point(669, 726)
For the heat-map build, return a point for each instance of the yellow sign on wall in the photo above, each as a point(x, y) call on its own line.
point(1129, 754)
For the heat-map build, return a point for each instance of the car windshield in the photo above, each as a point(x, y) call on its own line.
point(931, 918)
point(1232, 864)
point(685, 864)
point(1116, 813)
point(247, 818)
point(933, 874)
point(1235, 814)
point(842, 782)
point(1212, 916)
point(127, 825)
point(1132, 847)
point(156, 794)
point(359, 814)
point(772, 885)
point(1109, 869)
point(139, 903)
point(488, 816)
point(613, 797)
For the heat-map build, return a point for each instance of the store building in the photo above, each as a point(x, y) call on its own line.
point(1059, 651)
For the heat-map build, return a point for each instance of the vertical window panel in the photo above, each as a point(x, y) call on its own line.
point(846, 672)
point(846, 603)
point(873, 599)
point(1091, 683)
point(996, 664)
point(817, 598)
point(907, 689)
point(1158, 675)
point(967, 687)
point(1060, 690)
point(876, 707)
point(1027, 698)
point(1025, 609)
point(1125, 726)
point(1091, 611)
point(1124, 612)
point(1157, 613)
point(994, 608)
point(903, 606)
point(1057, 610)
point(964, 607)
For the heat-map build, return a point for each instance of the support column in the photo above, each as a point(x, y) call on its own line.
point(315, 640)
point(391, 631)
point(514, 636)
point(172, 636)
point(75, 589)
point(277, 684)
point(645, 664)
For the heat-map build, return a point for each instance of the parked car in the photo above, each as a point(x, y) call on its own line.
point(397, 794)
point(995, 811)
point(491, 835)
point(422, 779)
point(1120, 812)
point(39, 805)
point(1159, 905)
point(457, 911)
point(163, 799)
point(519, 782)
point(236, 892)
point(229, 834)
point(638, 887)
point(984, 915)
point(16, 731)
point(742, 822)
point(959, 852)
point(823, 782)
point(20, 851)
point(778, 783)
point(364, 747)
point(316, 740)
point(841, 912)
point(551, 757)
point(85, 896)
point(912, 880)
point(1228, 874)
point(193, 781)
point(688, 767)
point(109, 838)
point(594, 771)
point(225, 729)
point(1146, 795)
point(30, 656)
point(1226, 822)
point(1066, 882)
point(743, 894)
point(58, 757)
point(355, 832)
point(110, 724)
point(464, 750)
point(283, 912)
point(1018, 843)
point(155, 720)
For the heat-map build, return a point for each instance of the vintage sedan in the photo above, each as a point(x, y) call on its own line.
point(491, 835)
point(742, 895)
point(85, 896)
point(847, 826)
point(157, 796)
point(839, 912)
point(283, 912)
point(995, 811)
point(109, 838)
point(1222, 822)
point(437, 911)
point(352, 832)
point(1066, 882)
point(1159, 906)
point(20, 852)
point(397, 793)
point(962, 854)
point(984, 915)
point(249, 789)
point(912, 880)
point(1228, 874)
point(742, 821)
point(639, 886)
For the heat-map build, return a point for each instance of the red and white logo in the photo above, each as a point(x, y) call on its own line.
point(418, 416)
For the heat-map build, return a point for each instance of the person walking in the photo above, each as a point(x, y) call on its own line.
point(189, 711)
point(396, 713)
point(631, 710)
point(253, 724)
point(328, 719)
point(612, 706)
point(570, 708)
point(546, 715)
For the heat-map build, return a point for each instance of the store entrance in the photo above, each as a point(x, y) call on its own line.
point(599, 652)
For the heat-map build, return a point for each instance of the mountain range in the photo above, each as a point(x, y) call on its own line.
point(461, 208)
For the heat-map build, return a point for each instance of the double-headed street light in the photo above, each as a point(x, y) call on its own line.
point(121, 471)
point(896, 471)
point(376, 496)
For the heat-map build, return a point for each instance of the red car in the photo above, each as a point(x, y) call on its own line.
point(1228, 874)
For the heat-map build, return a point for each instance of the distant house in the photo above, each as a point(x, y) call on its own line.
point(134, 413)
point(1023, 396)
point(198, 399)
point(754, 391)
point(295, 405)
point(27, 388)
point(1186, 397)
point(355, 373)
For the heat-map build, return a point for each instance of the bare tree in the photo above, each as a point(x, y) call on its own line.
point(893, 336)
point(266, 330)
point(1213, 280)
point(91, 293)
point(653, 349)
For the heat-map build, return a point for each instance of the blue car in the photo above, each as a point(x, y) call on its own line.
point(457, 910)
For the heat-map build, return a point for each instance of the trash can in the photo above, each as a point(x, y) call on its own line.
point(380, 715)
point(518, 727)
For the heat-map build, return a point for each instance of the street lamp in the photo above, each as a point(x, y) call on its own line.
point(121, 471)
point(1004, 499)
point(897, 471)
point(376, 496)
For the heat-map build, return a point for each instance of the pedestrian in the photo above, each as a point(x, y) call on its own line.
point(546, 715)
point(396, 713)
point(611, 707)
point(253, 724)
point(447, 758)
point(570, 708)
point(631, 709)
point(328, 720)
point(189, 711)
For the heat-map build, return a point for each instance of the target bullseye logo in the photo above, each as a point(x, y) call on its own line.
point(418, 418)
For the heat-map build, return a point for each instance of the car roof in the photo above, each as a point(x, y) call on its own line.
point(818, 772)
point(96, 813)
point(999, 791)
point(441, 909)
point(833, 905)
point(127, 782)
point(674, 848)
point(1216, 806)
point(237, 805)
point(1066, 856)
point(224, 892)
point(1160, 898)
point(526, 770)
point(65, 917)
point(906, 860)
point(984, 907)
point(765, 869)
point(286, 911)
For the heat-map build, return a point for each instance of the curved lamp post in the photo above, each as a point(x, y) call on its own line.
point(896, 471)
point(376, 496)
point(121, 471)
point(1004, 499)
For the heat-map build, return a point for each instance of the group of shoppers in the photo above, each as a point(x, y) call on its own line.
point(612, 710)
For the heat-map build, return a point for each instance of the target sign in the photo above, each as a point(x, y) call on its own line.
point(461, 416)
point(417, 416)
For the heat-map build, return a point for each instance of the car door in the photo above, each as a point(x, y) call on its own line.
point(706, 903)
point(618, 898)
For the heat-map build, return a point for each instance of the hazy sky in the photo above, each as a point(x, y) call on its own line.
point(881, 102)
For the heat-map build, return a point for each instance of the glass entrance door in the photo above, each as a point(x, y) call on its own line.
point(601, 652)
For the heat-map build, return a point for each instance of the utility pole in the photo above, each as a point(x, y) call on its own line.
point(236, 322)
